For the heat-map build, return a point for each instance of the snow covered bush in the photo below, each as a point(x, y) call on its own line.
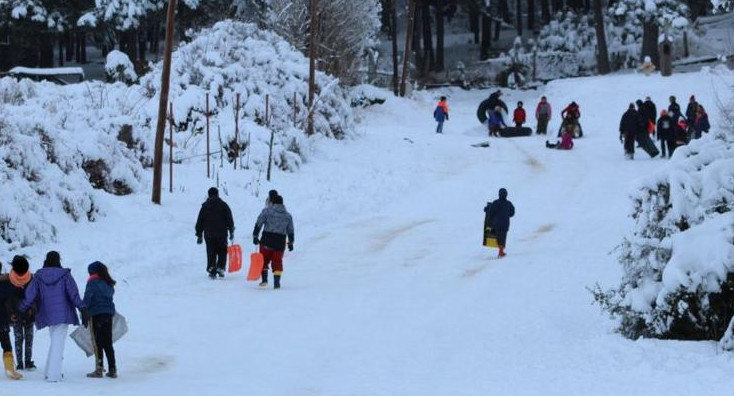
point(119, 68)
point(57, 145)
point(678, 262)
point(238, 58)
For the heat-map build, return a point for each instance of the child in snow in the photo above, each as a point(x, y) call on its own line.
point(55, 291)
point(496, 122)
point(277, 232)
point(647, 66)
point(441, 114)
point(519, 116)
point(499, 213)
point(566, 142)
point(6, 292)
point(98, 298)
point(543, 115)
point(681, 133)
point(20, 277)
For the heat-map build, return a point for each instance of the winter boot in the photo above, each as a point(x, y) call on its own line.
point(276, 281)
point(8, 363)
point(547, 144)
point(264, 282)
point(29, 365)
point(112, 373)
point(98, 367)
point(502, 251)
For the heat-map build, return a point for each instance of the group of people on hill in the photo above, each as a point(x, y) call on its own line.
point(273, 231)
point(49, 298)
point(673, 128)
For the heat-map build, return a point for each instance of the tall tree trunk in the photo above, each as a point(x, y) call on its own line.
point(46, 49)
point(486, 36)
point(83, 45)
point(406, 53)
point(602, 53)
point(428, 55)
point(558, 5)
point(587, 6)
point(518, 11)
point(474, 21)
point(60, 40)
point(650, 41)
point(385, 16)
point(545, 12)
point(394, 37)
point(140, 34)
point(313, 28)
point(439, 37)
point(69, 42)
point(417, 33)
point(531, 16)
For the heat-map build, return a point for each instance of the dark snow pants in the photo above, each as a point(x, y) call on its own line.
point(216, 253)
point(501, 237)
point(670, 143)
point(542, 124)
point(629, 143)
point(23, 331)
point(102, 330)
point(5, 340)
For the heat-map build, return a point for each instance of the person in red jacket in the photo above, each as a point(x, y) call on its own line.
point(519, 116)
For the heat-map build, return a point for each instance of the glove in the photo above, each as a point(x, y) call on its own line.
point(255, 240)
point(199, 240)
point(290, 246)
point(231, 235)
point(85, 316)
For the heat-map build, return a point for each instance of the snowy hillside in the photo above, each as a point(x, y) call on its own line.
point(388, 290)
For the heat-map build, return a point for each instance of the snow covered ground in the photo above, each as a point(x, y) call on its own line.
point(388, 290)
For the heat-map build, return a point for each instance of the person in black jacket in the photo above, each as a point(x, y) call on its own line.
point(6, 292)
point(691, 110)
point(629, 127)
point(499, 213)
point(666, 133)
point(674, 109)
point(651, 112)
point(489, 105)
point(215, 219)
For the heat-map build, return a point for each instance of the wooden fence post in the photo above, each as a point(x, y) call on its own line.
point(236, 130)
point(208, 165)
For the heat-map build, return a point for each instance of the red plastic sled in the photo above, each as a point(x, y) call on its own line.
point(234, 257)
point(256, 266)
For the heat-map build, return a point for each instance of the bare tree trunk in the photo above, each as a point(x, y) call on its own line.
point(474, 21)
point(165, 85)
point(82, 43)
point(406, 53)
point(46, 50)
point(69, 42)
point(439, 37)
point(394, 37)
point(650, 41)
point(531, 16)
point(518, 10)
point(428, 55)
point(312, 65)
point(416, 40)
point(486, 36)
point(602, 53)
point(545, 12)
point(60, 40)
point(558, 5)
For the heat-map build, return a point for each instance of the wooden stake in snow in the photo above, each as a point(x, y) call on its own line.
point(236, 130)
point(170, 153)
point(295, 110)
point(165, 85)
point(272, 134)
point(208, 166)
point(312, 65)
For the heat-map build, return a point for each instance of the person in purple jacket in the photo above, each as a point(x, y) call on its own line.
point(55, 291)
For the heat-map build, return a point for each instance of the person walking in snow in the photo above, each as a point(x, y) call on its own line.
point(54, 289)
point(700, 122)
point(214, 221)
point(496, 123)
point(543, 114)
point(651, 112)
point(674, 109)
point(666, 133)
point(98, 296)
point(629, 127)
point(20, 276)
point(499, 213)
point(691, 110)
point(277, 233)
point(441, 114)
point(519, 116)
point(6, 293)
point(269, 200)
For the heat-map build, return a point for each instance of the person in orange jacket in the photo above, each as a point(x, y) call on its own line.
point(441, 114)
point(519, 116)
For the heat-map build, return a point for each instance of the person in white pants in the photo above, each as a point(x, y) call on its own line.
point(55, 291)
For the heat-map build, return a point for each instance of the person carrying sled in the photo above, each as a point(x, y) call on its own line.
point(499, 213)
point(700, 122)
point(566, 142)
point(543, 114)
point(629, 127)
point(571, 115)
point(6, 293)
point(519, 116)
point(277, 233)
point(441, 114)
point(214, 221)
point(98, 296)
point(20, 276)
point(496, 123)
point(54, 289)
point(488, 105)
point(666, 133)
point(650, 111)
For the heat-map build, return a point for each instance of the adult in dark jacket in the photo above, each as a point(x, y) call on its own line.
point(6, 292)
point(55, 291)
point(499, 213)
point(277, 233)
point(20, 276)
point(666, 133)
point(98, 296)
point(651, 112)
point(701, 122)
point(629, 127)
point(489, 104)
point(214, 221)
point(674, 109)
point(691, 110)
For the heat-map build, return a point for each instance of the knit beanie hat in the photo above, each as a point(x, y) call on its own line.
point(53, 259)
point(94, 268)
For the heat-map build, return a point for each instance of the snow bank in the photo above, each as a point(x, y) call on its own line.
point(119, 68)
